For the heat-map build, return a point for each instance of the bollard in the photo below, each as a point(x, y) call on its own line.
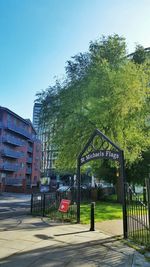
point(31, 203)
point(92, 228)
point(43, 205)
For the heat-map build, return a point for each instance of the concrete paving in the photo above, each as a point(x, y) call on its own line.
point(34, 242)
point(111, 227)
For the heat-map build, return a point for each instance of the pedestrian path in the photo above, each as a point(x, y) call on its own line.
point(110, 227)
point(36, 242)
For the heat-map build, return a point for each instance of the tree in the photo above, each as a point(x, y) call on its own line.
point(111, 48)
point(104, 90)
point(139, 170)
point(140, 55)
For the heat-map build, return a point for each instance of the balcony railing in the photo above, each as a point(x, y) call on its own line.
point(14, 181)
point(11, 153)
point(13, 140)
point(19, 130)
point(28, 171)
point(9, 167)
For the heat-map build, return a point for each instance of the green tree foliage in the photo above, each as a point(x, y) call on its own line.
point(140, 55)
point(139, 170)
point(111, 48)
point(105, 90)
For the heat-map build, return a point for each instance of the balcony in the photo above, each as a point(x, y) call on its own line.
point(12, 140)
point(14, 181)
point(19, 130)
point(11, 153)
point(28, 170)
point(29, 160)
point(9, 167)
point(1, 125)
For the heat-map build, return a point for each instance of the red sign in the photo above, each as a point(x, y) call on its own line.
point(64, 205)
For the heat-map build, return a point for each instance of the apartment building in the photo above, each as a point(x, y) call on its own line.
point(49, 151)
point(20, 153)
point(36, 116)
point(44, 133)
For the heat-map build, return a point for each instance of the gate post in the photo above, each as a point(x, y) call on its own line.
point(147, 181)
point(123, 181)
point(78, 190)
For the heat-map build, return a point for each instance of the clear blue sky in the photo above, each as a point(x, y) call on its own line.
point(37, 37)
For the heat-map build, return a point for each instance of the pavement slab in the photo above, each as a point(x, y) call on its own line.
point(37, 242)
point(6, 252)
point(111, 227)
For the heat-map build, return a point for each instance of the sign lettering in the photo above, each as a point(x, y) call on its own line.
point(106, 154)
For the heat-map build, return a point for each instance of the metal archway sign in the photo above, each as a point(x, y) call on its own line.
point(115, 153)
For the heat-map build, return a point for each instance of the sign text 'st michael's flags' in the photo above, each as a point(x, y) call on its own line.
point(100, 154)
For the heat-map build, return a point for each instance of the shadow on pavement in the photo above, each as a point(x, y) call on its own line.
point(96, 253)
point(79, 232)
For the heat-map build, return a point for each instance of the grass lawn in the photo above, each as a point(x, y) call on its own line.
point(103, 211)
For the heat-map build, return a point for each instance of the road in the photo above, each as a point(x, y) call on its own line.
point(12, 207)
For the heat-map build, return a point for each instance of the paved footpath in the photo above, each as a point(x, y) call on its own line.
point(111, 227)
point(33, 242)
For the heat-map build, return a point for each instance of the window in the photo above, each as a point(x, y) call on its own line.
point(22, 165)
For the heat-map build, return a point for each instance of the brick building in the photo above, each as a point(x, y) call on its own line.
point(20, 153)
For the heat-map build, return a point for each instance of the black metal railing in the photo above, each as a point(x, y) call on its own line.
point(138, 219)
point(47, 204)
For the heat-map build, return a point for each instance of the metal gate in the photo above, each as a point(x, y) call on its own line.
point(138, 214)
point(99, 146)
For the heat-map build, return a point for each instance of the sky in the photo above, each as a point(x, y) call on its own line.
point(37, 37)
